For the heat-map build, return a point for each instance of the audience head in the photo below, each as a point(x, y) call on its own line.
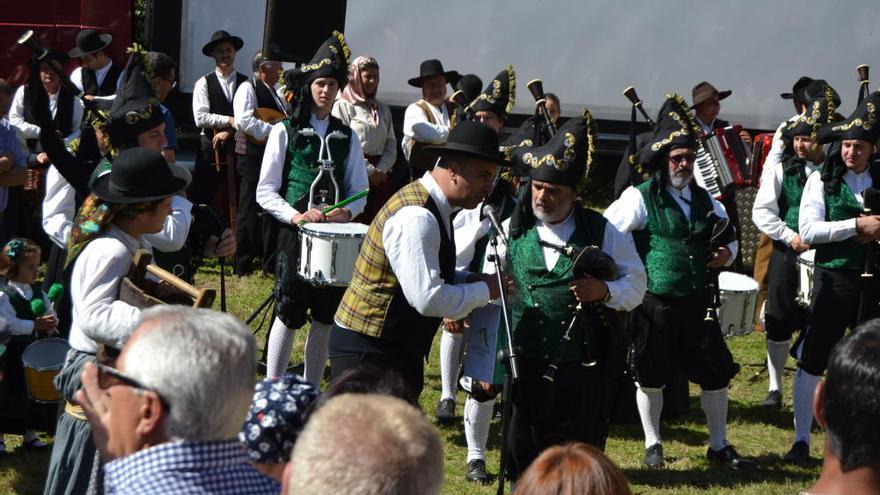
point(361, 444)
point(274, 420)
point(20, 261)
point(846, 403)
point(268, 71)
point(572, 469)
point(184, 374)
point(467, 163)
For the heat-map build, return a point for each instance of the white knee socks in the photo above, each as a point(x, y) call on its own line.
point(317, 342)
point(804, 387)
point(714, 404)
point(477, 417)
point(280, 345)
point(650, 404)
point(777, 354)
point(450, 354)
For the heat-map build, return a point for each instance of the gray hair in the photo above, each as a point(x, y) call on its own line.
point(394, 448)
point(202, 362)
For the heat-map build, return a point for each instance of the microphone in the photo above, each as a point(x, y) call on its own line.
point(489, 212)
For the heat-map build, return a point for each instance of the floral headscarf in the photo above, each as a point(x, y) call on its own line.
point(93, 218)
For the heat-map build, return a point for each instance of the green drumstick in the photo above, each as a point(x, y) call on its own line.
point(342, 203)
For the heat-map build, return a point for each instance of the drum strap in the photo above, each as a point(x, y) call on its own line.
point(75, 411)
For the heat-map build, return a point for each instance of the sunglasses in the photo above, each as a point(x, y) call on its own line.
point(683, 158)
point(110, 377)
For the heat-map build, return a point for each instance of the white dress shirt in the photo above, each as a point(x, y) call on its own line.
point(626, 292)
point(59, 207)
point(765, 212)
point(375, 139)
point(813, 227)
point(774, 156)
point(31, 131)
point(100, 74)
point(201, 104)
point(469, 229)
point(98, 314)
point(174, 232)
point(417, 128)
point(629, 212)
point(268, 197)
point(18, 326)
point(245, 103)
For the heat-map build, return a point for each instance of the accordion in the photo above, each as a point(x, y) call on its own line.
point(722, 160)
point(760, 150)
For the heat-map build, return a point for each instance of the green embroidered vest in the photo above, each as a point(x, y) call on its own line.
point(301, 162)
point(544, 306)
point(673, 248)
point(842, 255)
point(790, 197)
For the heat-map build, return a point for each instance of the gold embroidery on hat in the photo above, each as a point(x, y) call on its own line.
point(313, 67)
point(133, 117)
point(866, 124)
point(683, 131)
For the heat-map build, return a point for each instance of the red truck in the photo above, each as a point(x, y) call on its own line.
point(55, 24)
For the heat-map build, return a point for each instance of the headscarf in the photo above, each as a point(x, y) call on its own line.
point(354, 92)
point(94, 218)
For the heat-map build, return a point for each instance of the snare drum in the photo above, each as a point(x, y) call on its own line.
point(739, 295)
point(806, 263)
point(42, 361)
point(328, 252)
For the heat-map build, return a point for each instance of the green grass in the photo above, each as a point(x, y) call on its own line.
point(757, 433)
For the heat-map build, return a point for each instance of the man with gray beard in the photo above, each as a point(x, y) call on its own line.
point(672, 221)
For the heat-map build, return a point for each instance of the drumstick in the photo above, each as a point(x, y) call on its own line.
point(341, 204)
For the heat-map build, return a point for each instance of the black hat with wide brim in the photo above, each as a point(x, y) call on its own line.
point(431, 68)
point(470, 139)
point(797, 90)
point(89, 41)
point(221, 36)
point(138, 175)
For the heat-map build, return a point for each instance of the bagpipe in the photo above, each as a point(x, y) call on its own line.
point(543, 132)
point(589, 261)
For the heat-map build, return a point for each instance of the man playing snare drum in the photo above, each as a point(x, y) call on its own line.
point(776, 214)
point(288, 170)
point(668, 217)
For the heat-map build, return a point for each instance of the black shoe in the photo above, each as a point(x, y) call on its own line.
point(798, 454)
point(729, 457)
point(773, 400)
point(654, 456)
point(476, 472)
point(445, 412)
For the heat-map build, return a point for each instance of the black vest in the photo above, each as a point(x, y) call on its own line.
point(217, 98)
point(63, 114)
point(107, 87)
point(409, 330)
point(264, 100)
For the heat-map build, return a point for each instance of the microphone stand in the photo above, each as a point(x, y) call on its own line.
point(507, 357)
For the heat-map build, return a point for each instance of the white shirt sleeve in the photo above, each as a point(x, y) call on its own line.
point(389, 156)
point(201, 108)
point(16, 326)
point(76, 78)
point(59, 207)
point(176, 229)
point(16, 116)
point(412, 240)
point(813, 227)
point(468, 229)
point(270, 176)
point(95, 281)
point(243, 105)
point(628, 290)
point(765, 212)
point(416, 126)
point(628, 213)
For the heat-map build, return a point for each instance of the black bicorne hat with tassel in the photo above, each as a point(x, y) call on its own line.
point(330, 60)
point(499, 96)
point(863, 123)
point(675, 128)
point(135, 109)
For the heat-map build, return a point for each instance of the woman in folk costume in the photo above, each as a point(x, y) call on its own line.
point(132, 200)
point(370, 119)
point(288, 170)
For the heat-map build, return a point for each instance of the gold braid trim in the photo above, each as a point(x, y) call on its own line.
point(581, 186)
point(685, 119)
point(511, 84)
point(346, 52)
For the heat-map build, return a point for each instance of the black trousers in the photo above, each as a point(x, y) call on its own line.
point(248, 224)
point(572, 408)
point(835, 307)
point(672, 334)
point(783, 314)
point(349, 350)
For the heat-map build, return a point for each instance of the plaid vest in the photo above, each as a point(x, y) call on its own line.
point(374, 303)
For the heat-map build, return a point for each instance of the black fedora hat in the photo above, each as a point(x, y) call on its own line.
point(429, 68)
point(797, 90)
point(89, 41)
point(471, 139)
point(221, 36)
point(141, 174)
point(705, 92)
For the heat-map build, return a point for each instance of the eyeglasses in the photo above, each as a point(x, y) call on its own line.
point(109, 377)
point(683, 158)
